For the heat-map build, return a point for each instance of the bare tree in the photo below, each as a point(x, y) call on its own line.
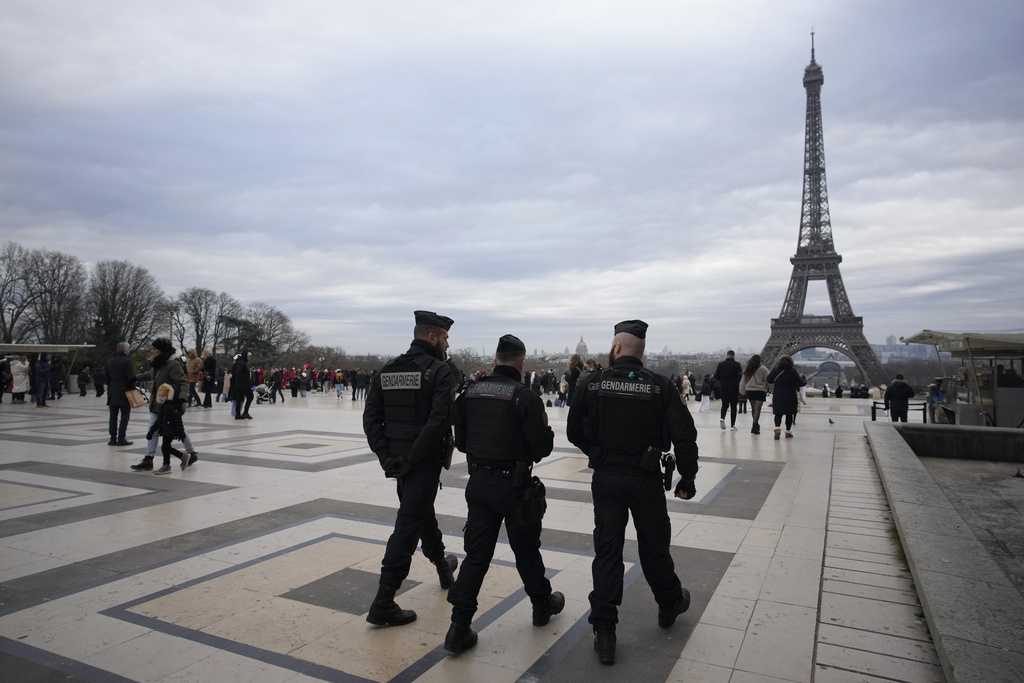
point(199, 306)
point(225, 310)
point(57, 283)
point(175, 312)
point(16, 297)
point(126, 303)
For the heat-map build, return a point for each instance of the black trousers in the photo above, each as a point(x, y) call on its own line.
point(118, 427)
point(617, 493)
point(898, 414)
point(415, 522)
point(248, 402)
point(193, 394)
point(790, 419)
point(275, 391)
point(492, 498)
point(729, 403)
point(207, 400)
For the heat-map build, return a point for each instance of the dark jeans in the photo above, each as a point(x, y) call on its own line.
point(618, 492)
point(119, 427)
point(193, 395)
point(790, 418)
point(416, 521)
point(729, 403)
point(492, 498)
point(898, 413)
point(275, 391)
point(239, 410)
point(207, 400)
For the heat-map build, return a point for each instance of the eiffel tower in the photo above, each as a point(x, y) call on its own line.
point(816, 259)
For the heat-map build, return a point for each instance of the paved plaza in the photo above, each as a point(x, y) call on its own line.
point(259, 563)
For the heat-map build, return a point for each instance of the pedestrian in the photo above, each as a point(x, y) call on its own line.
point(407, 421)
point(166, 370)
point(56, 382)
point(575, 370)
point(786, 383)
point(355, 383)
point(685, 388)
point(707, 388)
point(897, 399)
point(754, 385)
point(503, 430)
point(623, 419)
point(84, 377)
point(5, 377)
point(169, 427)
point(121, 375)
point(339, 384)
point(99, 380)
point(276, 380)
point(727, 375)
point(41, 380)
point(209, 378)
point(21, 379)
point(241, 386)
point(194, 373)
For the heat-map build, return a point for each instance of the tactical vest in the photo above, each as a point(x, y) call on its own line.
point(407, 390)
point(629, 411)
point(493, 428)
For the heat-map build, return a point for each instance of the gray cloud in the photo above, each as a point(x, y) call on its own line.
point(537, 169)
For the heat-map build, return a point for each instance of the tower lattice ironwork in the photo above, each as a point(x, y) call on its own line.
point(816, 259)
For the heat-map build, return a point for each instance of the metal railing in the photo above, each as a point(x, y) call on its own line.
point(911, 406)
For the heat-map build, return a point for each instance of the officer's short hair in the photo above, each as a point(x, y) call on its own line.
point(423, 331)
point(508, 357)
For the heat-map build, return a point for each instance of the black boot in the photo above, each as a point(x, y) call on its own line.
point(604, 645)
point(389, 615)
point(446, 570)
point(144, 465)
point(112, 442)
point(667, 614)
point(543, 611)
point(460, 638)
point(384, 611)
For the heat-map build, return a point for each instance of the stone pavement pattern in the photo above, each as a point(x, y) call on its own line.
point(258, 564)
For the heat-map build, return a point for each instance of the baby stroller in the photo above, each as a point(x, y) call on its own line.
point(262, 393)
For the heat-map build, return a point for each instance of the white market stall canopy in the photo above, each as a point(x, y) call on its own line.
point(43, 348)
point(976, 343)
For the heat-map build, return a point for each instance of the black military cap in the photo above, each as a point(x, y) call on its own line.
point(509, 343)
point(637, 328)
point(433, 319)
point(163, 344)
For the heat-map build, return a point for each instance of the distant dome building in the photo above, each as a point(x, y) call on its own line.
point(581, 349)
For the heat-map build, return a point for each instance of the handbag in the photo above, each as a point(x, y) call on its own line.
point(135, 398)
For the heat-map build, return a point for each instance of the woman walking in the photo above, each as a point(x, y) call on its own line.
point(754, 385)
point(41, 380)
point(785, 394)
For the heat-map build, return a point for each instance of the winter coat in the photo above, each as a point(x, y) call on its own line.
point(168, 372)
point(241, 380)
point(898, 395)
point(19, 377)
point(194, 370)
point(210, 374)
point(168, 422)
point(757, 382)
point(785, 394)
point(121, 378)
point(728, 374)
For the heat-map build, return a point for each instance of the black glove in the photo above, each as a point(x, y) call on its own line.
point(686, 489)
point(395, 466)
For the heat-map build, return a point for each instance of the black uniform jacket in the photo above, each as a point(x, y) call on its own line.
point(681, 430)
point(538, 437)
point(430, 442)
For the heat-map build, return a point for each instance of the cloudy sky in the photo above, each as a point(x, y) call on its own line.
point(535, 167)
